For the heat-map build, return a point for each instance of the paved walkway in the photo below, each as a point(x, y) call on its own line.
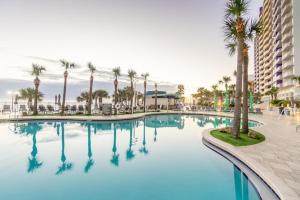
point(277, 160)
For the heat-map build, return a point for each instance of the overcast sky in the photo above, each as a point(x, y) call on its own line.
point(176, 41)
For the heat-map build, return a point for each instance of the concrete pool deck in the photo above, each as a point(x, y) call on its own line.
point(277, 160)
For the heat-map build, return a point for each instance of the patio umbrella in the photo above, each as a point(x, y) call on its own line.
point(58, 100)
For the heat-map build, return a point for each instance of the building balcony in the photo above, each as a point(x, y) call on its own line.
point(287, 18)
point(287, 37)
point(287, 55)
point(287, 74)
point(287, 83)
point(286, 7)
point(287, 64)
point(287, 47)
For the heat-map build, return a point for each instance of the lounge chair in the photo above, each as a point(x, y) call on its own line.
point(107, 109)
point(42, 108)
point(74, 108)
point(50, 108)
point(6, 108)
point(67, 108)
point(22, 108)
point(80, 109)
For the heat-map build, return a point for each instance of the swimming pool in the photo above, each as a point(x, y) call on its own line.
point(157, 157)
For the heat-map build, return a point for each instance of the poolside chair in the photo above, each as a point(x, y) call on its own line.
point(80, 109)
point(107, 109)
point(6, 109)
point(73, 109)
point(22, 108)
point(42, 108)
point(50, 108)
point(67, 108)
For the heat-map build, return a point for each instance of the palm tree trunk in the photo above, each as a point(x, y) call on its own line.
point(116, 96)
point(145, 86)
point(35, 111)
point(131, 98)
point(64, 93)
point(90, 96)
point(237, 104)
point(245, 128)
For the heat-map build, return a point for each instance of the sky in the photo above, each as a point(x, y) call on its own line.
point(176, 41)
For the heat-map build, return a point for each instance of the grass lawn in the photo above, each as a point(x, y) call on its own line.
point(244, 139)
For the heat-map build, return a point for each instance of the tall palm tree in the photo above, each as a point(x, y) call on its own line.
point(67, 65)
point(235, 30)
point(226, 80)
point(215, 91)
point(250, 29)
point(155, 86)
point(37, 70)
point(116, 72)
point(132, 76)
point(92, 69)
point(145, 76)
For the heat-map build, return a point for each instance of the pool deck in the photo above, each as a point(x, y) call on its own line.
point(277, 160)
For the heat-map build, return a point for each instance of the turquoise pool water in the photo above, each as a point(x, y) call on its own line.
point(158, 157)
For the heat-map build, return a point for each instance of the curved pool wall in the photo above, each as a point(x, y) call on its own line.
point(185, 165)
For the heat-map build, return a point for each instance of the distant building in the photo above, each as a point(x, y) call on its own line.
point(164, 100)
point(276, 49)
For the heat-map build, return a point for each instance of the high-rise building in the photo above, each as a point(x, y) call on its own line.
point(276, 58)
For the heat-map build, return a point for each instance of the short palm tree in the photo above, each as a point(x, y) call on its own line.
point(83, 97)
point(99, 95)
point(155, 103)
point(237, 31)
point(145, 76)
point(28, 94)
point(92, 70)
point(67, 65)
point(132, 76)
point(297, 78)
point(37, 70)
point(116, 72)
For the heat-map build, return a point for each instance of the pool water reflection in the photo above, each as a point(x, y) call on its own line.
point(157, 157)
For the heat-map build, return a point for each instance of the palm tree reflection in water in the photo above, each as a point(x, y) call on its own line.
point(65, 166)
point(144, 149)
point(241, 184)
point(129, 153)
point(90, 161)
point(115, 157)
point(32, 129)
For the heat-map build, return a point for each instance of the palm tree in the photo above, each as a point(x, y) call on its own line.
point(226, 80)
point(274, 92)
point(92, 69)
point(155, 86)
point(236, 30)
point(116, 72)
point(145, 76)
point(297, 78)
point(28, 94)
point(84, 96)
point(99, 95)
point(67, 65)
point(37, 70)
point(132, 76)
